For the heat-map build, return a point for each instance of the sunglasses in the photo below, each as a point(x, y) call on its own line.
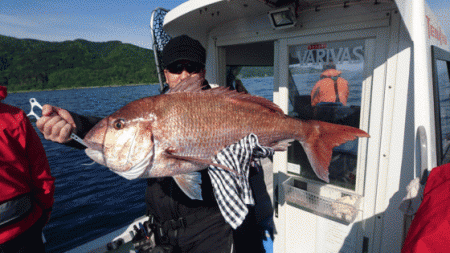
point(190, 67)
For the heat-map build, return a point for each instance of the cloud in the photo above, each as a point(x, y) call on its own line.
point(124, 27)
point(11, 21)
point(43, 26)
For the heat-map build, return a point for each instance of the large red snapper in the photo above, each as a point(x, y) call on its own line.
point(178, 133)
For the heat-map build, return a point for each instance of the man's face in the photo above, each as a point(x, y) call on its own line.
point(180, 70)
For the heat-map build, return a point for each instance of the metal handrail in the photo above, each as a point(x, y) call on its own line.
point(423, 149)
point(422, 154)
point(160, 39)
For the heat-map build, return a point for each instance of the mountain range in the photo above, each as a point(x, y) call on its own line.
point(28, 64)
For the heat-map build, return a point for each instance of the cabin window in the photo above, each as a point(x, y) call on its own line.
point(325, 83)
point(256, 80)
point(249, 67)
point(441, 69)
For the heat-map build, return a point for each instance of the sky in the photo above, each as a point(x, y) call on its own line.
point(94, 20)
point(105, 20)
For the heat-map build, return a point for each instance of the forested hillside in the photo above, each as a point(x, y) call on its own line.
point(27, 64)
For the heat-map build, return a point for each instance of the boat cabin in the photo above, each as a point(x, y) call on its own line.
point(393, 56)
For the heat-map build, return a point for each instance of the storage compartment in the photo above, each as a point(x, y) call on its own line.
point(338, 205)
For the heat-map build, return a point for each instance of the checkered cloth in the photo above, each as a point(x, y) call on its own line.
point(232, 190)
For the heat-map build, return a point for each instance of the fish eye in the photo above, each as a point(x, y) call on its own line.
point(119, 124)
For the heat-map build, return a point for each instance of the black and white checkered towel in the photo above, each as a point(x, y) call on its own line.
point(232, 190)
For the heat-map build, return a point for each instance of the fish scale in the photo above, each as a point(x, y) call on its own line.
point(217, 127)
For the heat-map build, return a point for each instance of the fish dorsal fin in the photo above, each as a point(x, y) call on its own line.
point(241, 96)
point(191, 84)
point(190, 184)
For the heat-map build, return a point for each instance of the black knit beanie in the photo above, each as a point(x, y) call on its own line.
point(183, 48)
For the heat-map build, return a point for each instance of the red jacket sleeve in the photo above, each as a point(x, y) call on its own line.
point(430, 229)
point(42, 182)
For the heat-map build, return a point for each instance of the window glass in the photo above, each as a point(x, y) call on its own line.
point(255, 80)
point(444, 105)
point(325, 84)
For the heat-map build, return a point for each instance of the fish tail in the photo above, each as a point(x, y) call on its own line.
point(321, 138)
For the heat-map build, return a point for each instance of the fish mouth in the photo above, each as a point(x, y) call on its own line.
point(94, 140)
point(93, 145)
point(96, 155)
point(95, 152)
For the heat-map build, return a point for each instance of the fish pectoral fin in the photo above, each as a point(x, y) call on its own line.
point(190, 184)
point(282, 145)
point(200, 161)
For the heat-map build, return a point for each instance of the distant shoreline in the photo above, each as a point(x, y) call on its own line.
point(116, 85)
point(76, 88)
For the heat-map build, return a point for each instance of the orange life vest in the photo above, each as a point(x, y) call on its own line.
point(330, 88)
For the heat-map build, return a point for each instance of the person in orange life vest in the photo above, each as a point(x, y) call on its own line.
point(331, 88)
point(26, 184)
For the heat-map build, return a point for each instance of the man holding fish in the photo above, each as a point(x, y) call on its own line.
point(173, 194)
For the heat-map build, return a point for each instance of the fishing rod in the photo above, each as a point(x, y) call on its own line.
point(34, 103)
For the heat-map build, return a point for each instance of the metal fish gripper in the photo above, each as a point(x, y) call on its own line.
point(34, 103)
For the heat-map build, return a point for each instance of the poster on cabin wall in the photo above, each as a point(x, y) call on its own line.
point(325, 83)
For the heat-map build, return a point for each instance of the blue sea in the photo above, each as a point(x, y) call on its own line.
point(90, 200)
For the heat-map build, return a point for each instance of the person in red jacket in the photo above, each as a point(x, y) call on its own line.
point(26, 185)
point(430, 229)
point(331, 88)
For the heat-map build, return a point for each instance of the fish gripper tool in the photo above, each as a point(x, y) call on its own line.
point(34, 103)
